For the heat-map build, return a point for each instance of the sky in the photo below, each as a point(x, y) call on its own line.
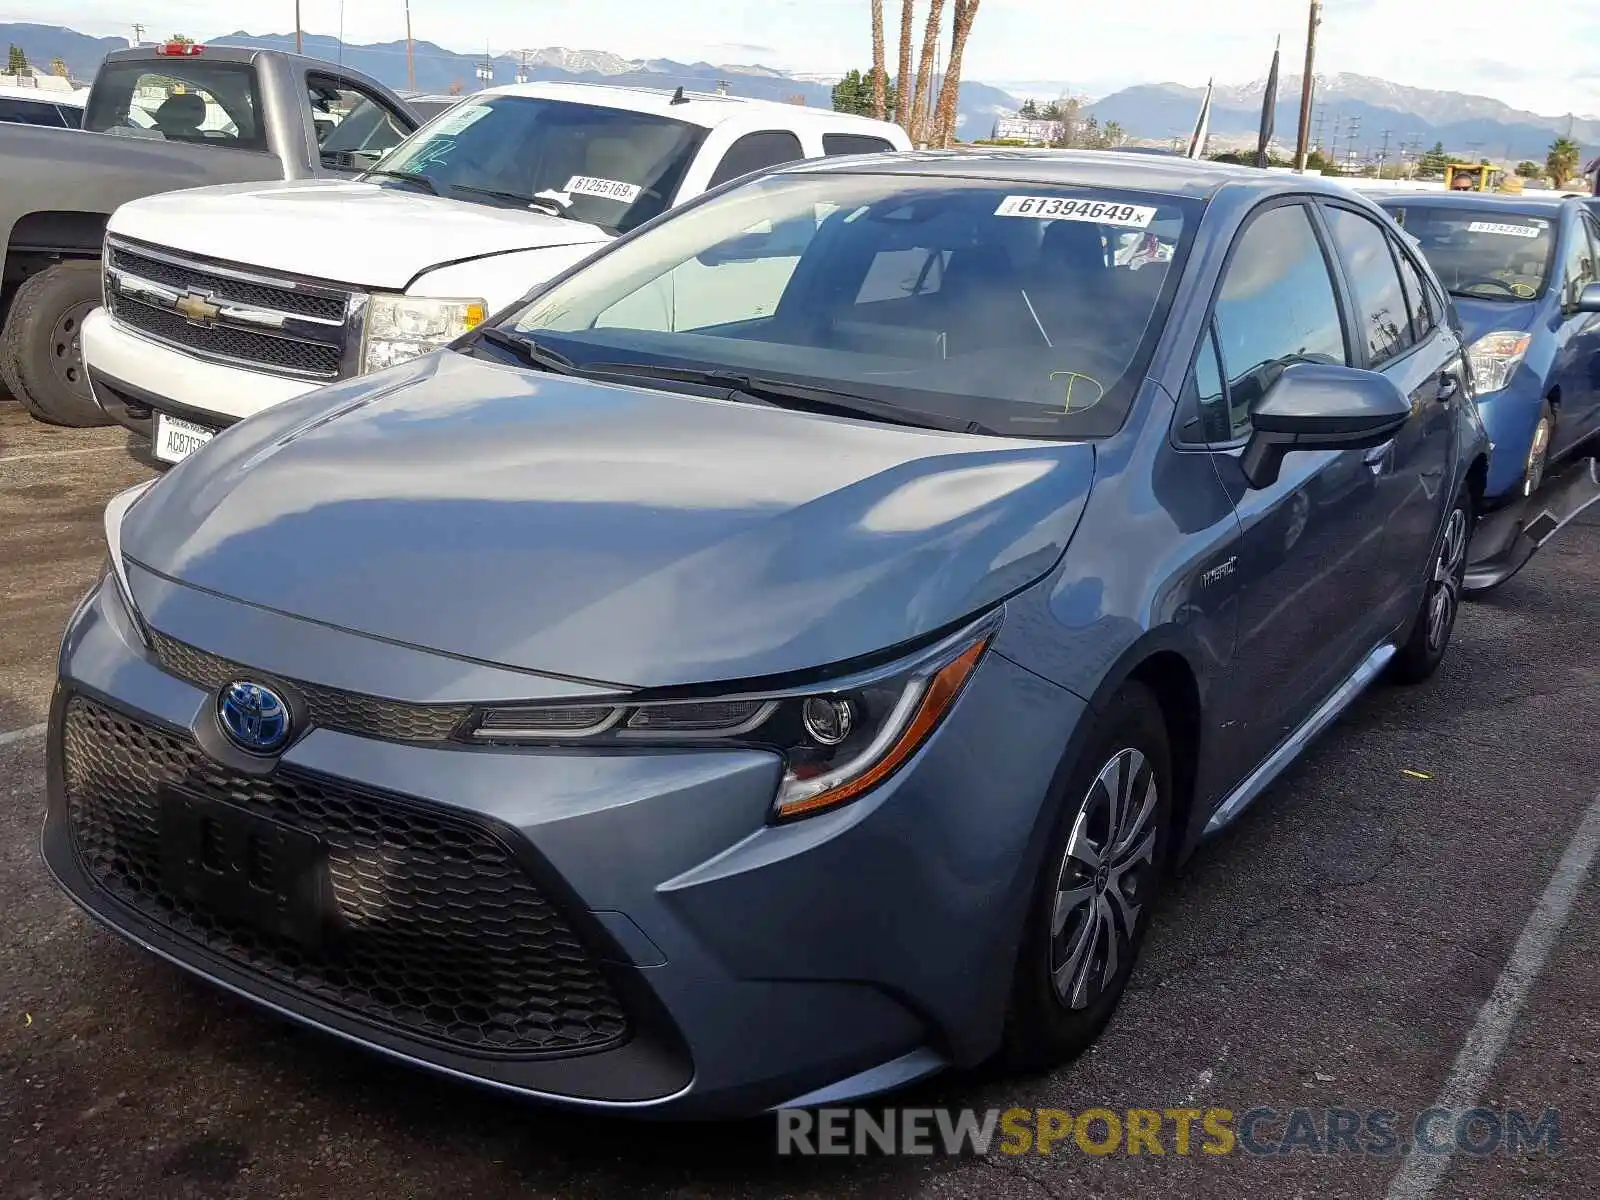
point(1546, 60)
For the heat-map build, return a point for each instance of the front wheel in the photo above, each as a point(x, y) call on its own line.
point(1092, 897)
point(1424, 648)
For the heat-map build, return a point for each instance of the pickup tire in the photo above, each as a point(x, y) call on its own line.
point(41, 360)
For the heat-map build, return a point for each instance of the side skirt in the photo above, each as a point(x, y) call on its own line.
point(1294, 745)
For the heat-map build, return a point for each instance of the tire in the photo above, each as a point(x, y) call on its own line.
point(1047, 1024)
point(41, 359)
point(1424, 647)
point(1544, 432)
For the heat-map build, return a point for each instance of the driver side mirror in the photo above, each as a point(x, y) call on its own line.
point(1588, 300)
point(1314, 406)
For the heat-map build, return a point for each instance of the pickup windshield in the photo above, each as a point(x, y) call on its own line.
point(604, 166)
point(1483, 254)
point(1026, 308)
point(178, 100)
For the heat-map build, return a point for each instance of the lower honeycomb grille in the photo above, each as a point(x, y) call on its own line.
point(433, 929)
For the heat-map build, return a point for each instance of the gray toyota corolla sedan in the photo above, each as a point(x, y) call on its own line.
point(782, 658)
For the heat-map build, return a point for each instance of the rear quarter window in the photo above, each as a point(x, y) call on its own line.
point(179, 100)
point(854, 143)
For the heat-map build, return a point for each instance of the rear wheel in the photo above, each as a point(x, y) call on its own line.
point(41, 347)
point(1424, 647)
point(1091, 900)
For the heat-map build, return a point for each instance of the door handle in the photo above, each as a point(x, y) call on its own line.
point(1377, 458)
point(1449, 385)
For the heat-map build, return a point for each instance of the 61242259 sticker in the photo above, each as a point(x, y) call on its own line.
point(1522, 231)
point(1063, 208)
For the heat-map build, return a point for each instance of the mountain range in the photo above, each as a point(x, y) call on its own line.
point(1156, 111)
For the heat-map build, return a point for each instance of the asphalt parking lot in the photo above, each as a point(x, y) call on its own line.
point(1337, 948)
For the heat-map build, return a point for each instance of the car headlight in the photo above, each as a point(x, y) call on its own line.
point(399, 328)
point(116, 513)
point(837, 741)
point(1495, 357)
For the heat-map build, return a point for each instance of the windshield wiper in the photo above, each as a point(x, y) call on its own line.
point(543, 205)
point(421, 181)
point(783, 394)
point(527, 351)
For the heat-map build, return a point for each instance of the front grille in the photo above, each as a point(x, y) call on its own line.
point(329, 708)
point(324, 304)
point(440, 934)
point(276, 324)
point(316, 359)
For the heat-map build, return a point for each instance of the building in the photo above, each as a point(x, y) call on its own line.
point(1021, 129)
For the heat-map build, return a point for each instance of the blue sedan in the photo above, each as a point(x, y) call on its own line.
point(1523, 277)
point(785, 656)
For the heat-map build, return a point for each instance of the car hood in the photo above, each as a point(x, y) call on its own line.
point(626, 536)
point(1479, 317)
point(365, 234)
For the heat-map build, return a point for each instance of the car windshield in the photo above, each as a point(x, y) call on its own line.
point(1481, 253)
point(1028, 308)
point(609, 167)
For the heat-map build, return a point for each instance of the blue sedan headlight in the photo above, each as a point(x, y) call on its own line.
point(837, 741)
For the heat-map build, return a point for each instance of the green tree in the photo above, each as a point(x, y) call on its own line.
point(1112, 136)
point(1562, 161)
point(1089, 135)
point(16, 61)
point(181, 39)
point(853, 94)
point(1069, 119)
point(1316, 160)
point(1434, 161)
point(1029, 111)
point(58, 66)
point(1529, 170)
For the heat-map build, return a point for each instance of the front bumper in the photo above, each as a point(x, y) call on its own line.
point(1509, 417)
point(754, 965)
point(132, 376)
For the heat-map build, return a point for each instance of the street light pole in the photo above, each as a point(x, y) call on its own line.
point(297, 47)
point(1305, 86)
point(411, 70)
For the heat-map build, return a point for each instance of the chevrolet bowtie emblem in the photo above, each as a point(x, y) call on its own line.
point(196, 308)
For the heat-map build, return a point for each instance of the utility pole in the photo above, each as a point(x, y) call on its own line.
point(138, 34)
point(1322, 119)
point(411, 68)
point(1350, 134)
point(1305, 85)
point(1383, 155)
point(297, 47)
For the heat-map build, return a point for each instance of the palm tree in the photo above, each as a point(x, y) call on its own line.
point(902, 83)
point(1562, 161)
point(879, 80)
point(930, 47)
point(944, 121)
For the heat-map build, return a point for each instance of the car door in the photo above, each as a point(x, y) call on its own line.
point(1397, 336)
point(1309, 544)
point(1577, 358)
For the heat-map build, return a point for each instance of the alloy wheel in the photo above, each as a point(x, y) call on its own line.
point(1448, 572)
point(1538, 454)
point(1108, 869)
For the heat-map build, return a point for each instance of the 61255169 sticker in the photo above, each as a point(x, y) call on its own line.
point(606, 189)
point(1062, 208)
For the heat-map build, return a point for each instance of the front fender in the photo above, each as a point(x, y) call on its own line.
point(1509, 416)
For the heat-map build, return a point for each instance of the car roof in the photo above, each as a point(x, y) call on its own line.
point(1544, 206)
point(707, 109)
point(1176, 176)
point(43, 95)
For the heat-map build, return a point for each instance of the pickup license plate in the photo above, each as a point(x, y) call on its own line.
point(176, 439)
point(246, 866)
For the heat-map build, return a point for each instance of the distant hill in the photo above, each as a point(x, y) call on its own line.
point(438, 68)
point(1464, 123)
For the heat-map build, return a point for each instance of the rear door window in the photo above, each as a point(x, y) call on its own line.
point(179, 100)
point(755, 151)
point(1384, 318)
point(29, 112)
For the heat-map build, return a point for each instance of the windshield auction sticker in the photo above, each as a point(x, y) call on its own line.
point(454, 121)
point(1521, 231)
point(1058, 208)
point(606, 189)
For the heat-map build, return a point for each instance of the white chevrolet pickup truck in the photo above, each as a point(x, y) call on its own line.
point(223, 301)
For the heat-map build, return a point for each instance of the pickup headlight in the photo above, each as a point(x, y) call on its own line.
point(399, 328)
point(837, 741)
point(1495, 358)
point(116, 513)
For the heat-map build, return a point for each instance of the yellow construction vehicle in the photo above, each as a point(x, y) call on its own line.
point(1479, 177)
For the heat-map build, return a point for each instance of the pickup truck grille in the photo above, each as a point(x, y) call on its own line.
point(232, 314)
